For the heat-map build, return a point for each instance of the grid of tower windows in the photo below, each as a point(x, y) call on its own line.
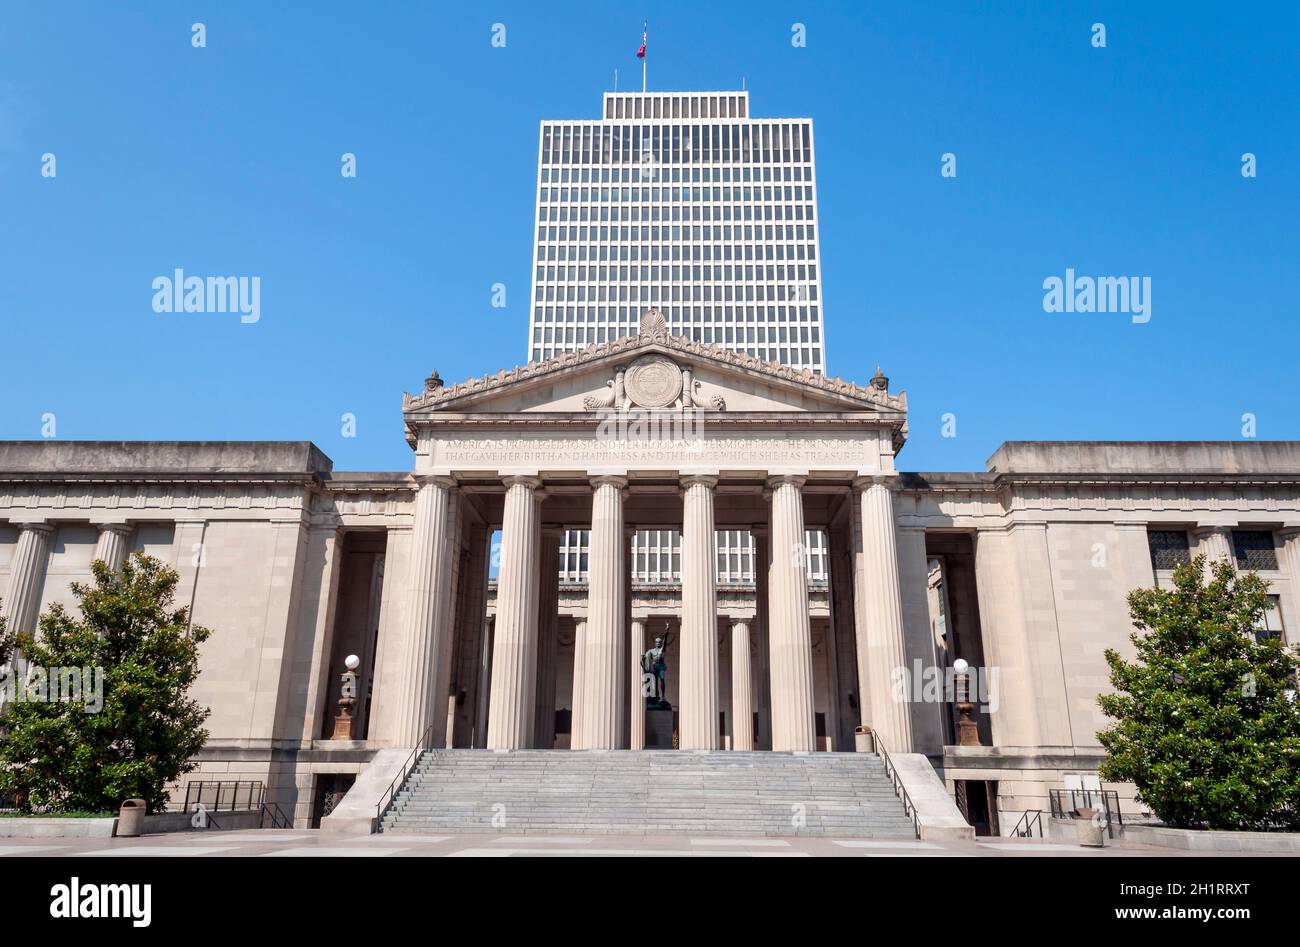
point(679, 202)
point(657, 556)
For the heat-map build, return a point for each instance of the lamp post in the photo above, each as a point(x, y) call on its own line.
point(347, 700)
point(968, 733)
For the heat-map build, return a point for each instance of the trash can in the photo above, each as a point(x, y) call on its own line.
point(130, 818)
point(864, 741)
point(1091, 826)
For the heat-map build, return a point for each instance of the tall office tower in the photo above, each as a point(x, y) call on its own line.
point(680, 201)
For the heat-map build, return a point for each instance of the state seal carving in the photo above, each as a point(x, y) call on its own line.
point(653, 381)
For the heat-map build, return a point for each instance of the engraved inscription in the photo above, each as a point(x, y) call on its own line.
point(733, 452)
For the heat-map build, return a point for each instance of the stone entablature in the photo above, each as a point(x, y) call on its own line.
point(850, 455)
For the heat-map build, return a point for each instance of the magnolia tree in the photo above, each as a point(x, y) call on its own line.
point(1207, 726)
point(136, 730)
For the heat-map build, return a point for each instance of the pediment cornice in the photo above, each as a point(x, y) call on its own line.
point(439, 397)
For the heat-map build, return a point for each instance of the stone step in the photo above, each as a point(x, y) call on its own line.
point(655, 792)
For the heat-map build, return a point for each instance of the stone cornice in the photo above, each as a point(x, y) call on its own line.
point(127, 479)
point(434, 398)
point(733, 420)
point(920, 483)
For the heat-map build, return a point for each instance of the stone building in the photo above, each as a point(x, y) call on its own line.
point(1020, 570)
point(673, 461)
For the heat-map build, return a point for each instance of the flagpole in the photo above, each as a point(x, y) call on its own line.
point(645, 26)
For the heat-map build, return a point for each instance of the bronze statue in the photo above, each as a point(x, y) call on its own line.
point(653, 663)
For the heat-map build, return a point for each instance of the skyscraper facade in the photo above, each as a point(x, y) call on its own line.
point(682, 202)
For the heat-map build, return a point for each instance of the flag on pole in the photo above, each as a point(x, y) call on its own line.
point(640, 53)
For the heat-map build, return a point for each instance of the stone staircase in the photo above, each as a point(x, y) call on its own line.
point(623, 792)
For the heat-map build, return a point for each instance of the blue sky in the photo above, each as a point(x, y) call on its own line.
point(225, 160)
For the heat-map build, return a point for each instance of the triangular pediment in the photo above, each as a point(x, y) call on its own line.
point(655, 369)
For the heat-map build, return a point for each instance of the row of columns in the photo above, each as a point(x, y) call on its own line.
point(608, 705)
point(22, 600)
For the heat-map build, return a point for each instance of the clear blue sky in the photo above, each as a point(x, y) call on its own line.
point(225, 160)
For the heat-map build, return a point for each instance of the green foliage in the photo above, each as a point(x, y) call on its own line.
point(6, 641)
point(1207, 724)
point(58, 755)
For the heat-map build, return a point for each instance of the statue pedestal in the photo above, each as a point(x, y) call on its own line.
point(658, 729)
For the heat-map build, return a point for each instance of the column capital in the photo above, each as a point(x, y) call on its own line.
point(616, 480)
point(693, 480)
point(434, 480)
point(865, 482)
point(522, 480)
point(797, 480)
point(1288, 532)
point(1201, 530)
point(121, 529)
point(39, 527)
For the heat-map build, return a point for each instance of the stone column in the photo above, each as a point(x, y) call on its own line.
point(603, 684)
point(763, 666)
point(579, 676)
point(22, 602)
point(453, 555)
point(742, 698)
point(846, 668)
point(1289, 539)
point(514, 648)
point(1215, 543)
point(789, 630)
point(114, 544)
point(636, 694)
point(188, 560)
point(484, 684)
point(881, 646)
point(547, 635)
point(468, 626)
point(532, 622)
point(629, 689)
point(918, 636)
point(429, 584)
point(698, 695)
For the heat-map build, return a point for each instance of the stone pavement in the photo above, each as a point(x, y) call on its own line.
point(311, 843)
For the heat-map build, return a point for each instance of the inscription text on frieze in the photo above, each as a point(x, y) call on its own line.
point(714, 450)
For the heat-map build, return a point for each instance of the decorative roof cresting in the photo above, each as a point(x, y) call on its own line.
point(653, 330)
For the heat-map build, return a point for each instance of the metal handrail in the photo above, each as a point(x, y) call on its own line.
point(909, 809)
point(408, 767)
point(1030, 819)
point(1109, 799)
point(196, 789)
point(277, 815)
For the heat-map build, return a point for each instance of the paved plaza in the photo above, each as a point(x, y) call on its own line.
point(311, 843)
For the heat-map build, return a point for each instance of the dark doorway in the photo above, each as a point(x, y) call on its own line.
point(978, 801)
point(330, 790)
